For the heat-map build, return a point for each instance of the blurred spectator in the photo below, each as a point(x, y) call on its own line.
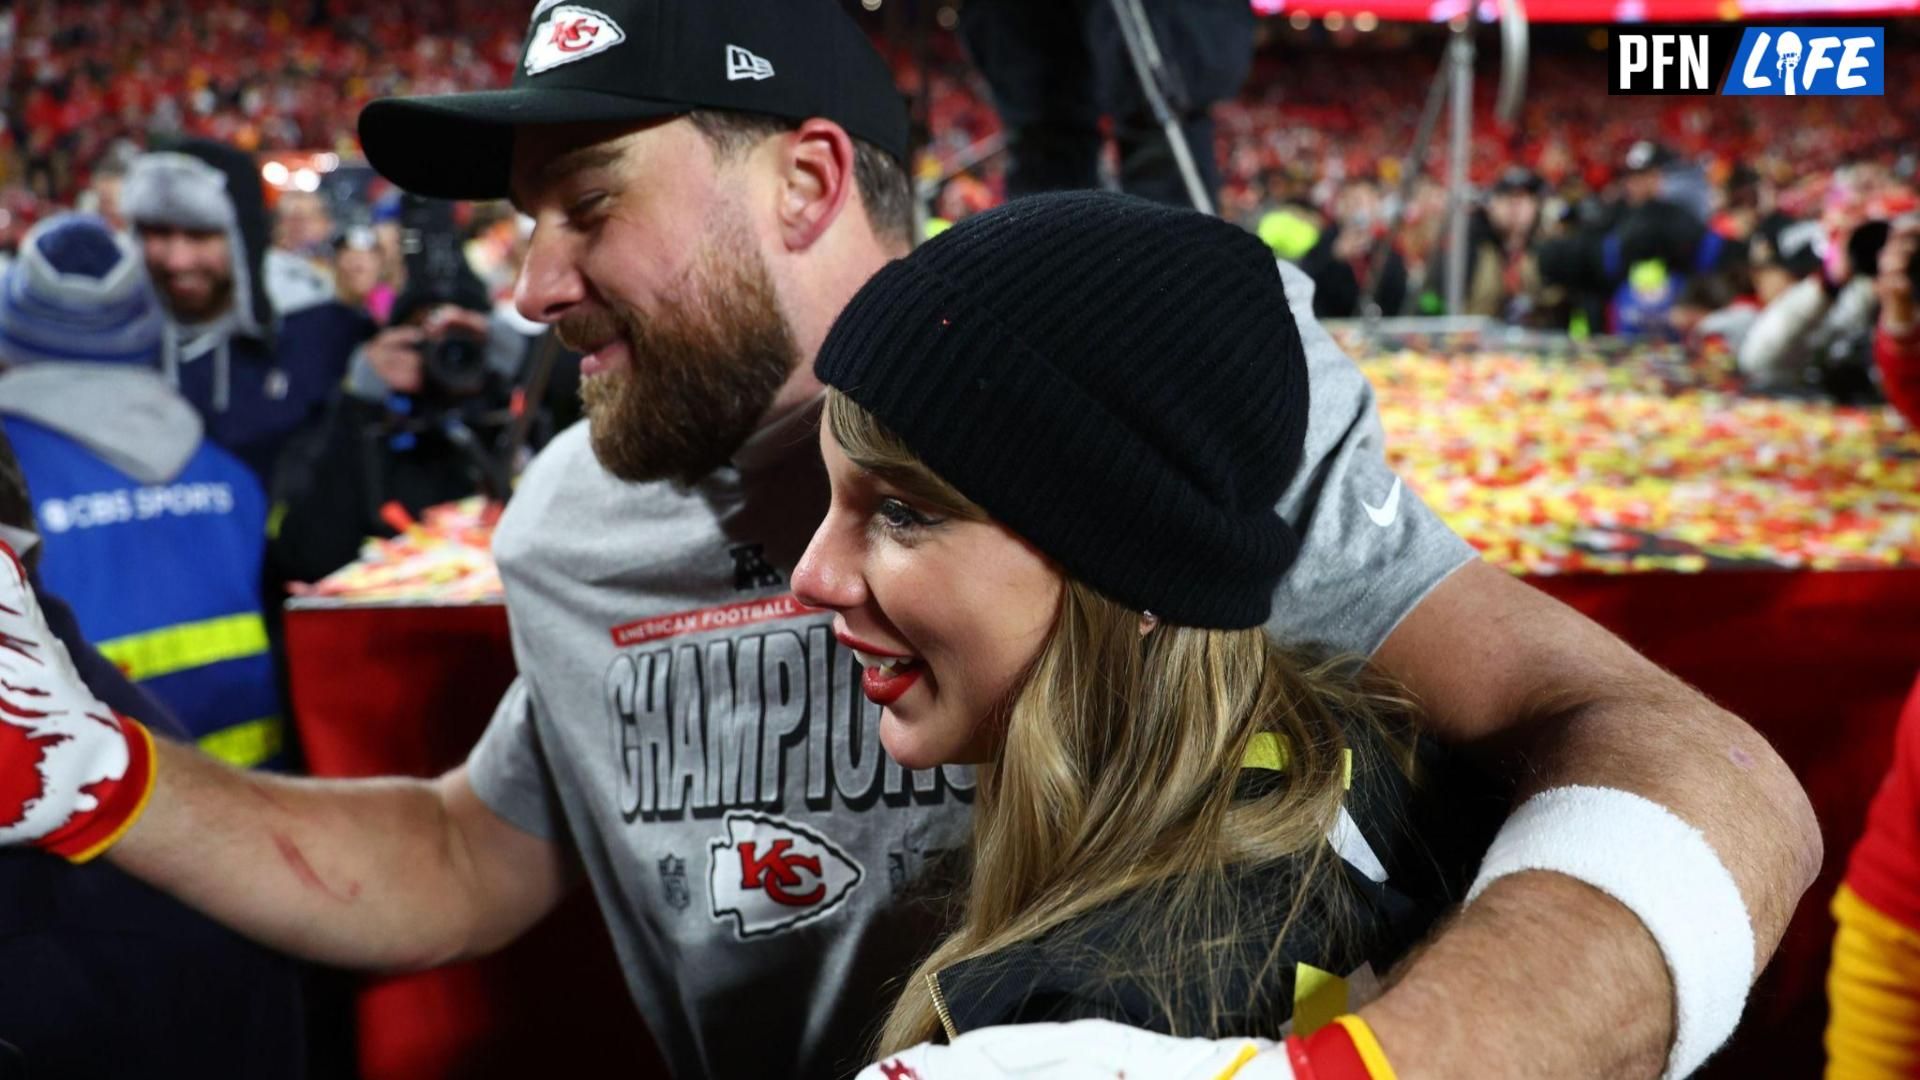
point(1896, 346)
point(257, 377)
point(421, 421)
point(258, 77)
point(102, 196)
point(1335, 256)
point(1057, 68)
point(1782, 252)
point(155, 535)
point(1873, 986)
point(1502, 238)
point(189, 998)
point(1744, 199)
point(358, 274)
point(1813, 335)
point(303, 226)
point(1574, 287)
point(1712, 310)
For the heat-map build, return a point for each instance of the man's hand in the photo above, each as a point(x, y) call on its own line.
point(73, 775)
point(454, 317)
point(394, 355)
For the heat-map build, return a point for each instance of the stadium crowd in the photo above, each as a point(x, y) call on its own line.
point(1311, 153)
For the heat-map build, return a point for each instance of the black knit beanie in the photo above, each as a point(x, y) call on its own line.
point(1119, 382)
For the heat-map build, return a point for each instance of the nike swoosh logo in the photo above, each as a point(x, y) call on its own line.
point(1388, 512)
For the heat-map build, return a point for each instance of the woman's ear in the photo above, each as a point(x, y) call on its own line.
point(1148, 623)
point(817, 178)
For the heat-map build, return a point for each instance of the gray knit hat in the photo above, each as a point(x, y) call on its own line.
point(78, 292)
point(1120, 382)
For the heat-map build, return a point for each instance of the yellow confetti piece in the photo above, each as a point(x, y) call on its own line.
point(1265, 750)
point(1318, 997)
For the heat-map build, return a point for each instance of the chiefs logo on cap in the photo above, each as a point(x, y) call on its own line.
point(771, 874)
point(570, 33)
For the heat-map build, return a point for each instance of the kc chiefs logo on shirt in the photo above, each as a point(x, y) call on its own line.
point(771, 874)
point(570, 33)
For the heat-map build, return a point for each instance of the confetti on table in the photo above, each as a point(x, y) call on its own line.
point(1630, 464)
point(447, 558)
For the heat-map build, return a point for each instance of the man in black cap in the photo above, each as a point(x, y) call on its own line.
point(1500, 237)
point(711, 182)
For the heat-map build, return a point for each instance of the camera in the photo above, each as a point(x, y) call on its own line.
point(454, 364)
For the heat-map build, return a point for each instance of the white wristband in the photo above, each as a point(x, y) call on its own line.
point(1664, 871)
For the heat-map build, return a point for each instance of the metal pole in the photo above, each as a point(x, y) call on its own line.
point(1415, 165)
point(1513, 60)
point(980, 152)
point(1460, 57)
point(1157, 82)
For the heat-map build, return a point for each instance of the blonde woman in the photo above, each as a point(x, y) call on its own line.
point(1056, 437)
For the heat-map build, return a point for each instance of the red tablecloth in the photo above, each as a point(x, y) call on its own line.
point(1819, 662)
point(406, 691)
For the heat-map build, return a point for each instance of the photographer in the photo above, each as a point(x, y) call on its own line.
point(423, 418)
point(1809, 337)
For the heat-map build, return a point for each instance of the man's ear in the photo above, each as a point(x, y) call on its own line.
point(816, 179)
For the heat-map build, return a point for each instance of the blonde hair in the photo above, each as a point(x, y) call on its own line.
point(1118, 771)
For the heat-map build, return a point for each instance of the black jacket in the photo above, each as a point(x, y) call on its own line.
point(1428, 836)
point(106, 976)
point(332, 487)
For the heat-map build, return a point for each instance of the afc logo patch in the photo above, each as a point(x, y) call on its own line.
point(770, 874)
point(673, 882)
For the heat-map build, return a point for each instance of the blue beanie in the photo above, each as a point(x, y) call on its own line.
point(78, 293)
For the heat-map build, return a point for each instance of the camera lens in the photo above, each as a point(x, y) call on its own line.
point(456, 365)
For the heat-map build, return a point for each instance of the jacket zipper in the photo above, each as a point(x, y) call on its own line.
point(940, 1007)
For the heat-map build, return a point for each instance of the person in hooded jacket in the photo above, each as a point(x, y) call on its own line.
point(128, 483)
point(107, 976)
point(258, 376)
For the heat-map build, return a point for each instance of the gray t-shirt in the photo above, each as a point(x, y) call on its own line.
point(702, 742)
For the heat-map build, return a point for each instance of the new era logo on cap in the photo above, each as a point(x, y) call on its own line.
point(570, 33)
point(742, 64)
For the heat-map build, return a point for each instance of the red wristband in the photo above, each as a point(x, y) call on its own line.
point(121, 803)
point(1345, 1050)
point(1297, 1057)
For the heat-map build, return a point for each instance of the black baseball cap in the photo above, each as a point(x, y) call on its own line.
point(1517, 178)
point(614, 60)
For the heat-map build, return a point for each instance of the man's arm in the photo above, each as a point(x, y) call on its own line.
point(383, 874)
point(1544, 975)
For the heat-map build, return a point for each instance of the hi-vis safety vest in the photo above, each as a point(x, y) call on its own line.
point(165, 580)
